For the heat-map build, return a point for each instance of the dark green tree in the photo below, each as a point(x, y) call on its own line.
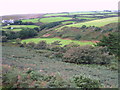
point(112, 42)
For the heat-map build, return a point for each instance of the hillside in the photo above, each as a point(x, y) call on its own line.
point(21, 16)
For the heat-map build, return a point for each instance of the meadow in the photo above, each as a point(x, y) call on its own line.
point(71, 13)
point(31, 20)
point(11, 29)
point(51, 40)
point(54, 19)
point(97, 23)
point(20, 26)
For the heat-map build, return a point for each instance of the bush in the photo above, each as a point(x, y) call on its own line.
point(30, 45)
point(83, 26)
point(77, 37)
point(15, 78)
point(4, 38)
point(41, 45)
point(97, 29)
point(87, 55)
point(82, 82)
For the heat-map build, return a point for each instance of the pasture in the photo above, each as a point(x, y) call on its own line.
point(51, 40)
point(11, 29)
point(97, 23)
point(54, 19)
point(20, 26)
point(31, 20)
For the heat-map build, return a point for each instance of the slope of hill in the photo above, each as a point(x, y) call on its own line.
point(21, 16)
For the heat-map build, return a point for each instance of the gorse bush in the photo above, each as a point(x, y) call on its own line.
point(87, 55)
point(82, 82)
point(30, 45)
point(29, 78)
point(41, 45)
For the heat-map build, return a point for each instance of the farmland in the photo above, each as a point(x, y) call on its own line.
point(20, 26)
point(62, 41)
point(98, 23)
point(31, 20)
point(54, 19)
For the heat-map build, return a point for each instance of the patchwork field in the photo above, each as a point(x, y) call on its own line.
point(51, 40)
point(71, 13)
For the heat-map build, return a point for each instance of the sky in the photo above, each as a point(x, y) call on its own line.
point(8, 7)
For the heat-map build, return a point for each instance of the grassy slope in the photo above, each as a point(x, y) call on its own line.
point(50, 40)
point(54, 19)
point(98, 23)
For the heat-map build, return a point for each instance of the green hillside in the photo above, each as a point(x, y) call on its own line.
point(98, 23)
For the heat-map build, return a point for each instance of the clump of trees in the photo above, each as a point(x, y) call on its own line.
point(112, 43)
point(25, 33)
point(19, 22)
point(49, 25)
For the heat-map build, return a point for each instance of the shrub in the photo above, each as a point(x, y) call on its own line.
point(77, 37)
point(4, 38)
point(87, 55)
point(83, 26)
point(56, 43)
point(30, 45)
point(97, 29)
point(41, 45)
point(82, 82)
point(18, 41)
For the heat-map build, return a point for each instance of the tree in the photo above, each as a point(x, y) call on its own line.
point(74, 16)
point(112, 42)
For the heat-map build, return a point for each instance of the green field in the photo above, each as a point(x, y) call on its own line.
point(56, 14)
point(20, 26)
point(85, 18)
point(54, 19)
point(31, 20)
point(68, 22)
point(11, 29)
point(98, 23)
point(113, 14)
point(71, 13)
point(99, 15)
point(51, 40)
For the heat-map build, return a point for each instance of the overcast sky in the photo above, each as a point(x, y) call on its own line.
point(49, 6)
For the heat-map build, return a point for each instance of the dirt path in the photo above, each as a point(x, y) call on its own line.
point(23, 58)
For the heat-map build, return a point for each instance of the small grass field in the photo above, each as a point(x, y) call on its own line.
point(98, 23)
point(31, 20)
point(51, 40)
point(20, 26)
point(54, 19)
point(72, 13)
point(11, 29)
